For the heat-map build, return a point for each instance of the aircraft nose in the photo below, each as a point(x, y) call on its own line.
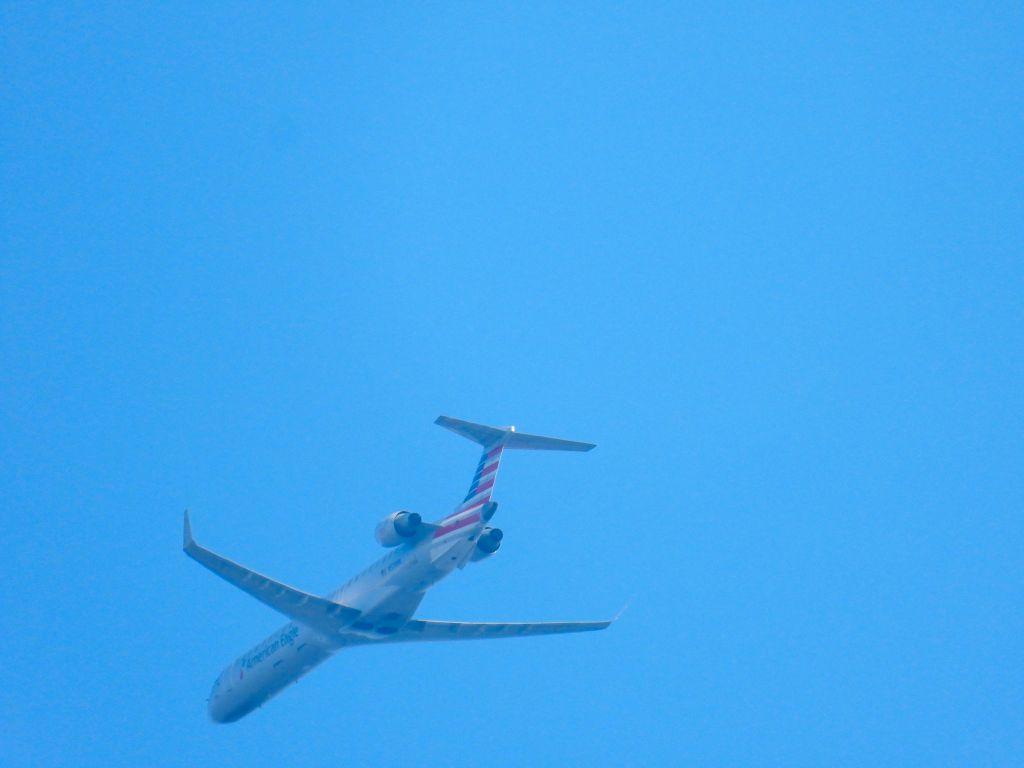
point(214, 709)
point(220, 712)
point(229, 707)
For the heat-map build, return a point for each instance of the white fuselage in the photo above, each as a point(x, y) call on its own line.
point(387, 593)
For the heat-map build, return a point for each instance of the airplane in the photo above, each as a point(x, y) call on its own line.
point(377, 605)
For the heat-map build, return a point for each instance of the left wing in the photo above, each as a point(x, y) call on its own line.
point(323, 615)
point(421, 631)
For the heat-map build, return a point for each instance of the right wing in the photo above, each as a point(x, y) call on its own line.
point(323, 615)
point(420, 631)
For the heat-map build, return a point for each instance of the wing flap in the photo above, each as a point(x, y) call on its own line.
point(323, 615)
point(424, 631)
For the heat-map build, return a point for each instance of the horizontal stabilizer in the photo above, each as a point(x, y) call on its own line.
point(323, 615)
point(508, 437)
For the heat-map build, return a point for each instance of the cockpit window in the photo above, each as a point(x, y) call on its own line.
point(218, 682)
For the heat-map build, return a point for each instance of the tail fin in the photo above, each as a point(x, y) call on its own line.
point(494, 440)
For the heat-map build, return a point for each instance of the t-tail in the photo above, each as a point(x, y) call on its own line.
point(494, 441)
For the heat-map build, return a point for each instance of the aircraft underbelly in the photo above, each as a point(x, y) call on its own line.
point(280, 659)
point(395, 604)
point(445, 557)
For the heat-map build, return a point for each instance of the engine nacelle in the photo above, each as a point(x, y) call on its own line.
point(488, 510)
point(397, 528)
point(487, 544)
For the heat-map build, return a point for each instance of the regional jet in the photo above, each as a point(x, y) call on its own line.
point(377, 605)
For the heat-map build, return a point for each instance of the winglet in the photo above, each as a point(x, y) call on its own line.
point(622, 610)
point(188, 540)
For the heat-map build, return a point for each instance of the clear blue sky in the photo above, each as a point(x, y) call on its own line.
point(768, 257)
